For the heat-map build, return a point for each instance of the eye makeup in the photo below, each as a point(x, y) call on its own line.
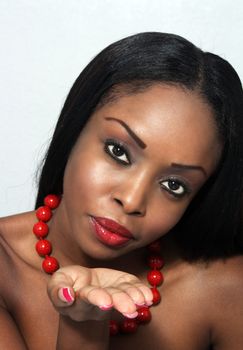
point(132, 134)
point(176, 187)
point(118, 151)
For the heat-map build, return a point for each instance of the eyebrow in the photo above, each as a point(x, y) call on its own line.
point(139, 142)
point(142, 145)
point(189, 167)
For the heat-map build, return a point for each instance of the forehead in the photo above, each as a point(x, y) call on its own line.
point(167, 118)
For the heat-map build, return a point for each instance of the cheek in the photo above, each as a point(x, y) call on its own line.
point(86, 177)
point(162, 218)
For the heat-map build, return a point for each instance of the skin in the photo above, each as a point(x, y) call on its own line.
point(175, 127)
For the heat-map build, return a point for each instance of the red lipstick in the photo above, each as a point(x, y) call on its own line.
point(110, 232)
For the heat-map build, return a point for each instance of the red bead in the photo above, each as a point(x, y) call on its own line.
point(144, 315)
point(155, 247)
point(155, 262)
point(43, 213)
point(40, 229)
point(155, 277)
point(43, 247)
point(129, 325)
point(52, 201)
point(114, 327)
point(50, 264)
point(156, 296)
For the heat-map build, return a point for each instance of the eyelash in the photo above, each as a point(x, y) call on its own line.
point(109, 149)
point(186, 190)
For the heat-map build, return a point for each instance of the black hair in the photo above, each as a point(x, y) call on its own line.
point(211, 226)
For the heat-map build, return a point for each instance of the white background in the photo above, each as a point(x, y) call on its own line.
point(44, 44)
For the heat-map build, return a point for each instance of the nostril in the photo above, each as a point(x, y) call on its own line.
point(118, 201)
point(130, 208)
point(138, 213)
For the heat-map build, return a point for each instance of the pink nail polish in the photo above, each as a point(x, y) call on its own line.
point(106, 307)
point(133, 315)
point(65, 295)
point(140, 304)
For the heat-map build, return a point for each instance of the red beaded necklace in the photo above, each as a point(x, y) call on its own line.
point(50, 265)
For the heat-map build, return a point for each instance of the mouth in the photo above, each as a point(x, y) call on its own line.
point(110, 233)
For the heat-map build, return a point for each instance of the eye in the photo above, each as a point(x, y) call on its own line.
point(117, 151)
point(176, 187)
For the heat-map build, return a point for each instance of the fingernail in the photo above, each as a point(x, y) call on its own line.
point(131, 315)
point(65, 295)
point(106, 307)
point(149, 303)
point(140, 304)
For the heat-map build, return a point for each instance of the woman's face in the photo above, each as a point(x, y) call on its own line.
point(138, 163)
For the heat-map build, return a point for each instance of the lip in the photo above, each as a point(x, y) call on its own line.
point(110, 232)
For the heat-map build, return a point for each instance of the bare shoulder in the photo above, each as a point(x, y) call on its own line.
point(223, 292)
point(212, 293)
point(15, 228)
point(220, 282)
point(14, 241)
point(14, 223)
point(225, 274)
point(11, 228)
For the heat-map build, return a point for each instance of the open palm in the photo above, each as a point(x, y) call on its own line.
point(92, 292)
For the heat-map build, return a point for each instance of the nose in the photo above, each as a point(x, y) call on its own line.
point(132, 195)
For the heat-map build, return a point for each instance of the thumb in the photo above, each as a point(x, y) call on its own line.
point(60, 289)
point(66, 295)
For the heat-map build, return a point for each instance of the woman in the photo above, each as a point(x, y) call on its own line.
point(147, 148)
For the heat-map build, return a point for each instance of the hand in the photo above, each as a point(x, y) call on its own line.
point(88, 294)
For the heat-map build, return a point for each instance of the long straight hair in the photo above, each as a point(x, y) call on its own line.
point(211, 226)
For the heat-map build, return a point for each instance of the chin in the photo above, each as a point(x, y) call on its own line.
point(104, 253)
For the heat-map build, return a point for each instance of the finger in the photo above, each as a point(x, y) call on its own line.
point(146, 291)
point(139, 292)
point(122, 302)
point(63, 283)
point(134, 292)
point(128, 279)
point(62, 296)
point(66, 295)
point(96, 296)
point(107, 298)
point(60, 290)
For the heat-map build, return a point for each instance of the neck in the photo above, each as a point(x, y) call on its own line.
point(64, 247)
